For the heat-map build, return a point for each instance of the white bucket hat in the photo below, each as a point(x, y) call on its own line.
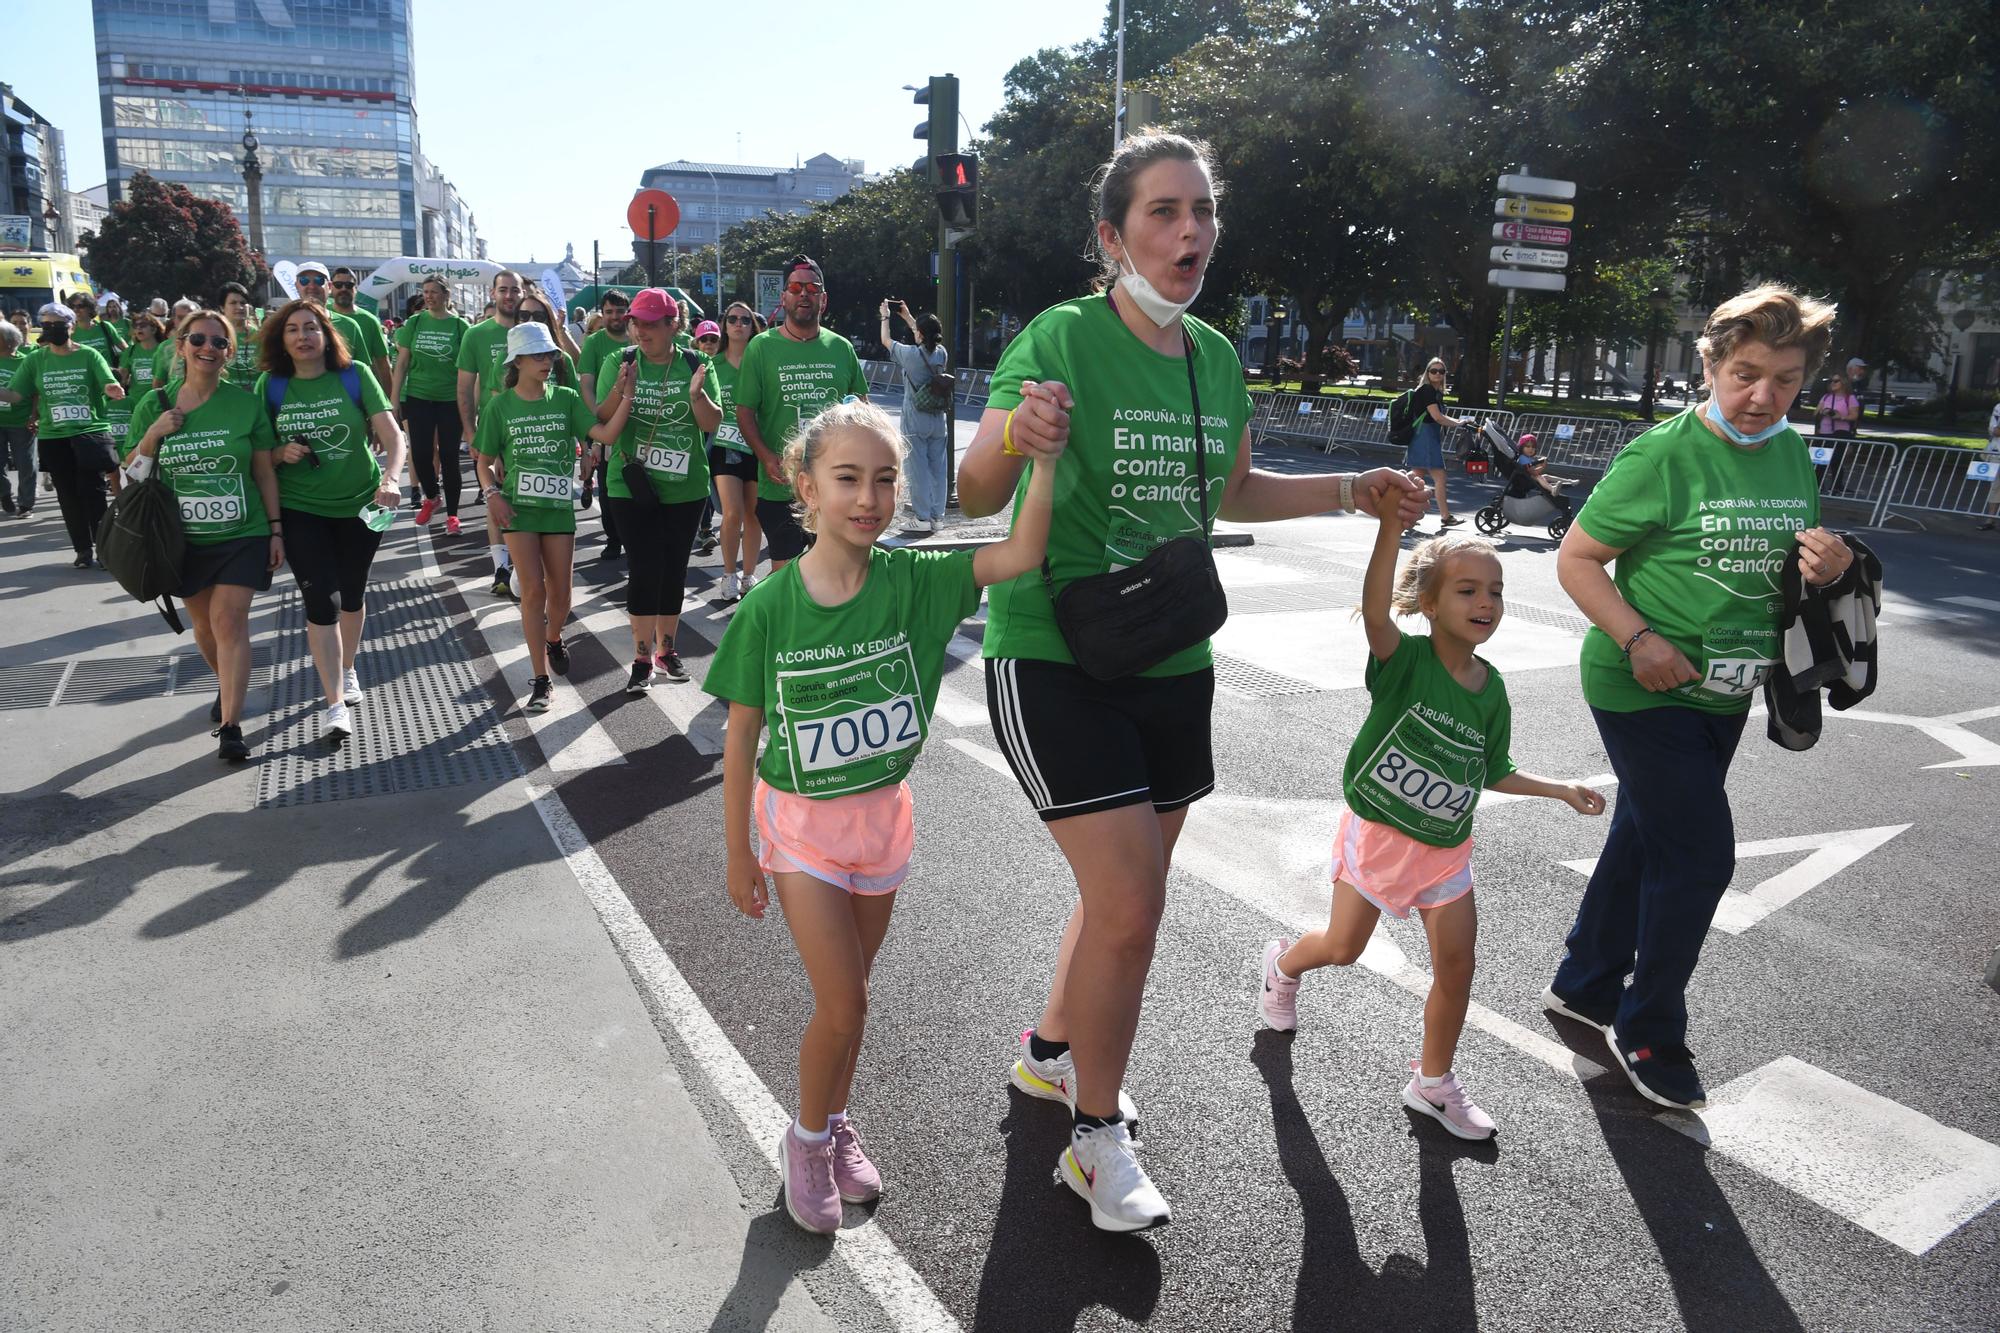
point(526, 339)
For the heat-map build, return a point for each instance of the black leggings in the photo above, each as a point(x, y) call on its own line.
point(658, 541)
point(79, 491)
point(435, 424)
point(604, 493)
point(330, 559)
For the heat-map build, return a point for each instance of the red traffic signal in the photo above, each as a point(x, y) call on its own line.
point(958, 189)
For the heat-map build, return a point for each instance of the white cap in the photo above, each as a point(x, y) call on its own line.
point(528, 338)
point(55, 310)
point(314, 266)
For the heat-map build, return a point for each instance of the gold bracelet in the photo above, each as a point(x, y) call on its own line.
point(1007, 435)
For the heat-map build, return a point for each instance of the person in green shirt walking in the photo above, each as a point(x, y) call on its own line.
point(116, 319)
point(426, 397)
point(1112, 766)
point(93, 332)
point(788, 374)
point(1698, 515)
point(17, 430)
point(480, 368)
point(525, 455)
point(611, 337)
point(731, 465)
point(243, 327)
point(70, 385)
point(671, 408)
point(212, 443)
point(136, 373)
point(336, 498)
point(374, 349)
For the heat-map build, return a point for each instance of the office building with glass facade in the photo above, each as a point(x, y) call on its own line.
point(329, 89)
point(716, 196)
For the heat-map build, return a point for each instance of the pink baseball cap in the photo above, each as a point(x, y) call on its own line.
point(1526, 439)
point(654, 305)
point(708, 328)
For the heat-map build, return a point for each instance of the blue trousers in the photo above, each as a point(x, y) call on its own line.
point(1669, 855)
point(930, 446)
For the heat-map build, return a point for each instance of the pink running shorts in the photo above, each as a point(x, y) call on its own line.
point(860, 843)
point(1394, 871)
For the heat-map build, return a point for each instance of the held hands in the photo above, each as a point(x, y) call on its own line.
point(1823, 557)
point(277, 556)
point(1659, 666)
point(747, 888)
point(1391, 495)
point(1040, 425)
point(1584, 800)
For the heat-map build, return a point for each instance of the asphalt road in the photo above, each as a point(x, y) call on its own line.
point(1841, 1179)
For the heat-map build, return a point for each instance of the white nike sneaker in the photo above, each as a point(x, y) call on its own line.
point(1102, 1168)
point(335, 727)
point(1055, 1081)
point(350, 687)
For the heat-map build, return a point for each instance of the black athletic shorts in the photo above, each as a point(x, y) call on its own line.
point(722, 463)
point(244, 562)
point(782, 533)
point(1078, 745)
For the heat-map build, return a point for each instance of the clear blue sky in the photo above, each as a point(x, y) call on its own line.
point(555, 165)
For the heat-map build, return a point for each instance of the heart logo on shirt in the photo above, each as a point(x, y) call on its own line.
point(894, 677)
point(333, 442)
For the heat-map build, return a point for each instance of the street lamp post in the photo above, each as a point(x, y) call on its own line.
point(253, 184)
point(1660, 301)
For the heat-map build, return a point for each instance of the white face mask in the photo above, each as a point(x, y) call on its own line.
point(1714, 413)
point(1147, 297)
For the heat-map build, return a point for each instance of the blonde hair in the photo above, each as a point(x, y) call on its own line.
point(1420, 576)
point(810, 440)
point(1774, 315)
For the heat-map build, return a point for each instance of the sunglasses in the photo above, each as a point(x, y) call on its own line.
point(738, 319)
point(343, 286)
point(803, 288)
point(311, 280)
point(1433, 372)
point(204, 339)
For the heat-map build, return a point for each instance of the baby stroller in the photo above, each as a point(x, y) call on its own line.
point(1523, 501)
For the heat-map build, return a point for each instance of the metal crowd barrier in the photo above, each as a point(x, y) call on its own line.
point(1853, 469)
point(1942, 479)
point(1587, 443)
point(973, 386)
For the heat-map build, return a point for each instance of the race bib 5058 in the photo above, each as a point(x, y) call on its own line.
point(545, 488)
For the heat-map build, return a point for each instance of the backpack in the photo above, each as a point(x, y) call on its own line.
point(276, 385)
point(141, 541)
point(934, 394)
point(1403, 419)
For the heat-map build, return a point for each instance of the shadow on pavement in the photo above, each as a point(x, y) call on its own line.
point(775, 1252)
point(1041, 1228)
point(1336, 1289)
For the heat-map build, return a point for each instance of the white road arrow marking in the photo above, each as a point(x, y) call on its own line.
point(1831, 854)
point(1974, 750)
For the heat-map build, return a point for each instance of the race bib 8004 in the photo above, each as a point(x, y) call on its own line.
point(1424, 781)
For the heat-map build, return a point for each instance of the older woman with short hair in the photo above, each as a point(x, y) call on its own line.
point(1698, 515)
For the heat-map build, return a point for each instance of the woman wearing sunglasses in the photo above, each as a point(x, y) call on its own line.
point(70, 385)
point(335, 498)
point(730, 462)
point(212, 442)
point(1426, 451)
point(670, 407)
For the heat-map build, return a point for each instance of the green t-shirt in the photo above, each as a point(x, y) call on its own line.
point(433, 342)
point(348, 474)
point(847, 691)
point(207, 462)
point(596, 347)
point(1127, 482)
point(536, 445)
point(101, 338)
point(70, 389)
point(373, 342)
point(19, 414)
point(661, 432)
point(1428, 747)
point(139, 361)
point(783, 381)
point(124, 327)
point(482, 352)
point(723, 376)
point(243, 369)
point(1704, 526)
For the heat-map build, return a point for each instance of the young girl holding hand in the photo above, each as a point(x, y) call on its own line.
point(1437, 732)
point(843, 648)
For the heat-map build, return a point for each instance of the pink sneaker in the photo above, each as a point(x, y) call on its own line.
point(853, 1174)
point(1278, 996)
point(810, 1196)
point(1447, 1104)
point(451, 525)
point(426, 511)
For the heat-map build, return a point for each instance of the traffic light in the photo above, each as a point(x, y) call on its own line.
point(957, 189)
point(940, 95)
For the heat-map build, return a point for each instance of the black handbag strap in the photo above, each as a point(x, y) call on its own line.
point(1200, 454)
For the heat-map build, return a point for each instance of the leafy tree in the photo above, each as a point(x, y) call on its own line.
point(164, 240)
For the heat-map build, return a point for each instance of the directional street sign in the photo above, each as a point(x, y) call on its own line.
point(1542, 186)
point(1534, 210)
point(1530, 233)
point(1526, 279)
point(1508, 254)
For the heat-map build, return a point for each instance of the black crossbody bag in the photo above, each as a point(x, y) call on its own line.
point(1121, 623)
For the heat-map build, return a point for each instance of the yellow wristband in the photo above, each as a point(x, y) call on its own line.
point(1007, 435)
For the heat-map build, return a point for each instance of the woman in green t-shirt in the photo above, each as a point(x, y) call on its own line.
point(136, 373)
point(1699, 514)
point(1112, 766)
point(336, 497)
point(212, 443)
point(70, 385)
point(731, 465)
point(529, 433)
point(426, 395)
point(243, 326)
